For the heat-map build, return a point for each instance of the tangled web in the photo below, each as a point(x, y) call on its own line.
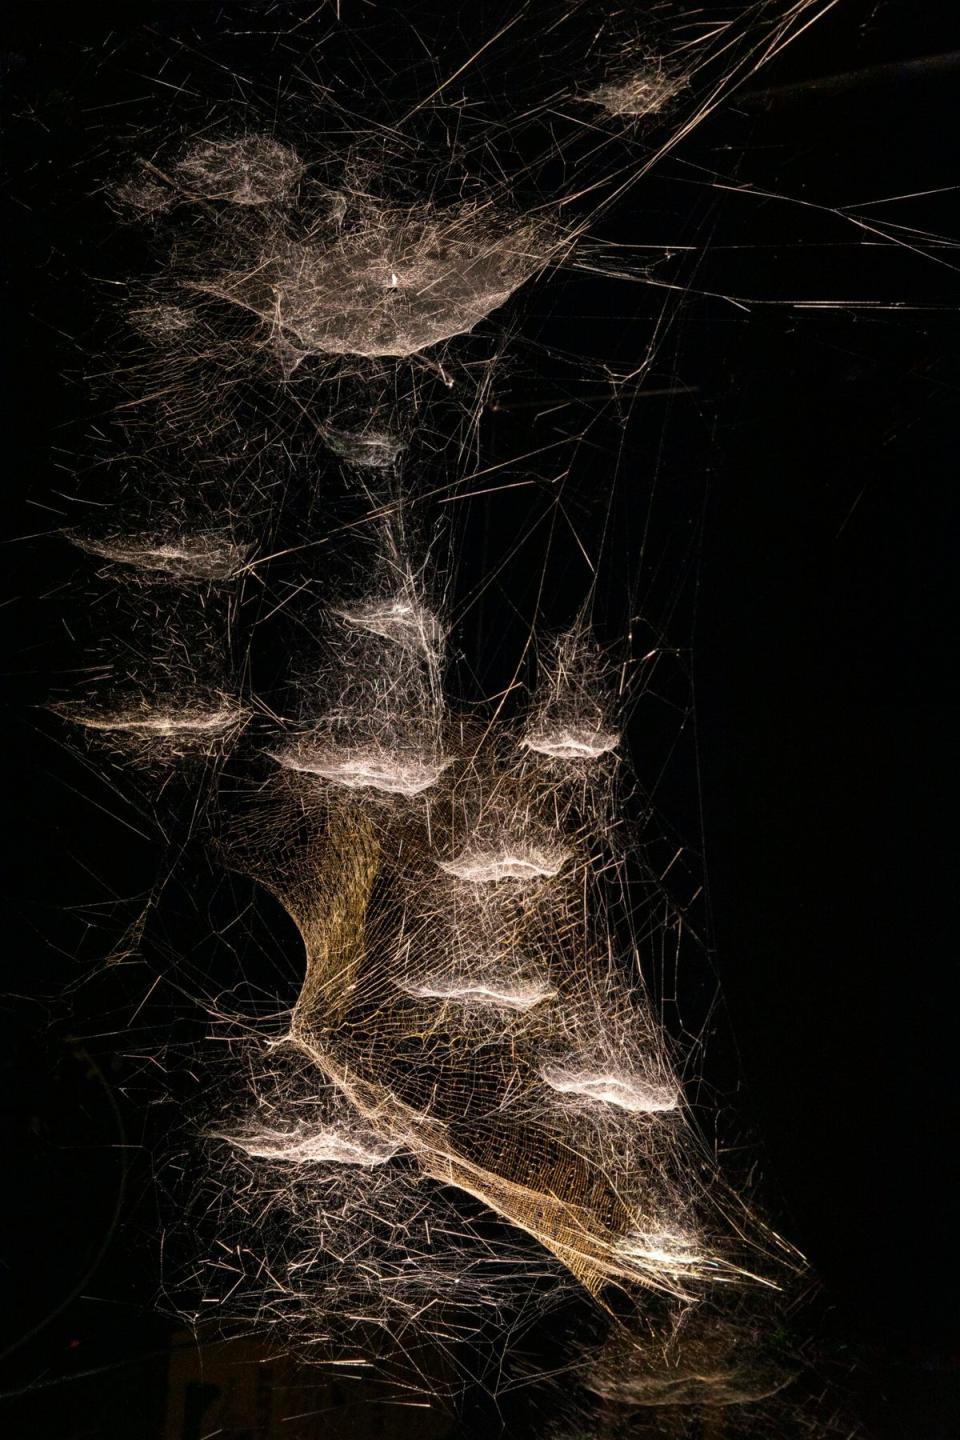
point(473, 1096)
point(390, 285)
point(448, 889)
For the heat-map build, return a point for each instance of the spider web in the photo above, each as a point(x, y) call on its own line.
point(360, 281)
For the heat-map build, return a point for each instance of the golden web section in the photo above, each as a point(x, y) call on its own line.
point(560, 1198)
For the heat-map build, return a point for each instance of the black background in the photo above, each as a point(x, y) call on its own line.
point(827, 718)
